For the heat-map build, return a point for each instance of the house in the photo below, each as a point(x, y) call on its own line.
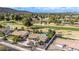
point(65, 23)
point(20, 33)
point(76, 23)
point(45, 20)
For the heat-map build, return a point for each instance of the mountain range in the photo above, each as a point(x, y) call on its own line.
point(10, 10)
point(39, 10)
point(49, 9)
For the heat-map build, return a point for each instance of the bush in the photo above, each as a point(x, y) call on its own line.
point(2, 34)
point(1, 26)
point(41, 43)
point(15, 28)
point(11, 21)
point(22, 28)
point(14, 38)
point(27, 22)
point(4, 38)
point(50, 35)
point(35, 31)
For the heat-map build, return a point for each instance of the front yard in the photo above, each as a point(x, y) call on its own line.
point(13, 38)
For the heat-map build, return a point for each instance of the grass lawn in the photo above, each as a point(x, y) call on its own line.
point(10, 37)
point(19, 25)
point(13, 38)
point(13, 24)
point(55, 27)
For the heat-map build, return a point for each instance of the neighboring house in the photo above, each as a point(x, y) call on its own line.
point(75, 16)
point(20, 33)
point(45, 20)
point(35, 20)
point(76, 23)
point(65, 23)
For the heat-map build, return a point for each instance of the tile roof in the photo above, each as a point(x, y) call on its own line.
point(20, 33)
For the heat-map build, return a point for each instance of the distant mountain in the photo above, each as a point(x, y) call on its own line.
point(22, 10)
point(10, 10)
point(49, 9)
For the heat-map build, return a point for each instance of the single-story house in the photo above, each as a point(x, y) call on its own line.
point(76, 23)
point(20, 33)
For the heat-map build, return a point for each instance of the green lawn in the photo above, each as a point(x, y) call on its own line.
point(12, 24)
point(55, 27)
point(19, 24)
point(13, 38)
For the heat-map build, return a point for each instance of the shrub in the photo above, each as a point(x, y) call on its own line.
point(22, 28)
point(2, 34)
point(1, 26)
point(41, 43)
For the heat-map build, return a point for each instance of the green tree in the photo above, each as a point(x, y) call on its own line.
point(41, 43)
point(27, 22)
point(50, 33)
point(16, 39)
point(71, 21)
point(18, 17)
point(2, 17)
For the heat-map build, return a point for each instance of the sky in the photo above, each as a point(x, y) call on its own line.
point(39, 3)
